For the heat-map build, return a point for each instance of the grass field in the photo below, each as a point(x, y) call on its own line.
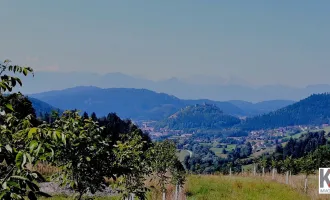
point(230, 147)
point(212, 187)
point(238, 188)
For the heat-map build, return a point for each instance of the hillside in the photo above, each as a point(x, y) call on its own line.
point(41, 107)
point(253, 109)
point(314, 110)
point(198, 117)
point(226, 107)
point(127, 103)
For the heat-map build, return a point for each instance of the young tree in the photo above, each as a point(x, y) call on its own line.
point(80, 154)
point(307, 165)
point(288, 166)
point(263, 162)
point(163, 157)
point(132, 165)
point(274, 165)
point(178, 177)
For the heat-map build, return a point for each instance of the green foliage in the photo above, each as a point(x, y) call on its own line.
point(163, 160)
point(198, 117)
point(7, 83)
point(79, 153)
point(21, 145)
point(132, 165)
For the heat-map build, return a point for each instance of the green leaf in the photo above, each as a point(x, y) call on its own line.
point(29, 157)
point(9, 148)
point(19, 159)
point(10, 107)
point(88, 159)
point(19, 178)
point(13, 184)
point(4, 185)
point(33, 145)
point(31, 132)
point(32, 186)
point(24, 160)
point(25, 71)
point(63, 139)
point(19, 81)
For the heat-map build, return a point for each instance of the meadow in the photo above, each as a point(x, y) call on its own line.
point(236, 187)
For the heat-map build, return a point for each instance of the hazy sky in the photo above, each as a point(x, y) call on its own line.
point(263, 42)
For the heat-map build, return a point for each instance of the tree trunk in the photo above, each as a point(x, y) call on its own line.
point(263, 171)
point(242, 170)
point(273, 176)
point(290, 178)
point(164, 195)
point(229, 171)
point(287, 178)
point(177, 192)
point(305, 188)
point(254, 169)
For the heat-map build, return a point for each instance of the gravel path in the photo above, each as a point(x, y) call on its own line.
point(54, 189)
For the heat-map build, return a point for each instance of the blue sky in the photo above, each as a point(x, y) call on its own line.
point(262, 42)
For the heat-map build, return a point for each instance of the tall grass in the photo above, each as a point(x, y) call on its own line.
point(295, 181)
point(213, 187)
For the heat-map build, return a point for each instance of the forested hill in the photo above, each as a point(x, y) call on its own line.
point(314, 110)
point(41, 107)
point(198, 117)
point(254, 109)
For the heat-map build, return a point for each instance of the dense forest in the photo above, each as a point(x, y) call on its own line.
point(197, 117)
point(313, 110)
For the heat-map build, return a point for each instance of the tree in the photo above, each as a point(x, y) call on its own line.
point(178, 176)
point(274, 165)
point(85, 115)
point(263, 163)
point(80, 154)
point(93, 116)
point(163, 157)
point(288, 166)
point(133, 165)
point(20, 143)
point(307, 165)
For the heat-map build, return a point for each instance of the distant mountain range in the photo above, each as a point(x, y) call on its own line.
point(141, 104)
point(196, 87)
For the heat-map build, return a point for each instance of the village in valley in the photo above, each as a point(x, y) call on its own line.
point(262, 141)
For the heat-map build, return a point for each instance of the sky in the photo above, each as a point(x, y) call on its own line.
point(256, 42)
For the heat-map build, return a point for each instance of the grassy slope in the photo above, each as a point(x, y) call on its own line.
point(230, 188)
